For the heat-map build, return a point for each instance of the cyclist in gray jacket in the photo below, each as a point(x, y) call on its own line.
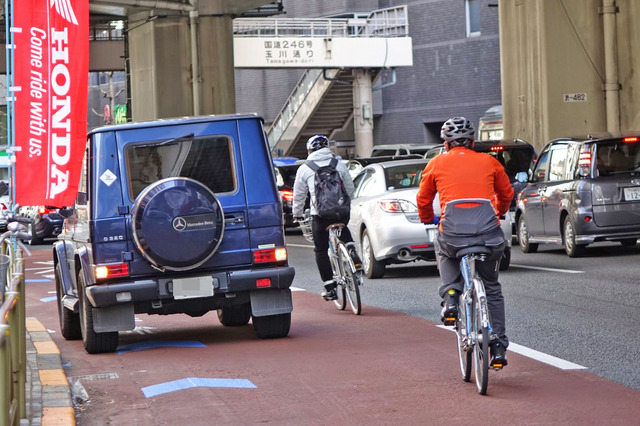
point(321, 155)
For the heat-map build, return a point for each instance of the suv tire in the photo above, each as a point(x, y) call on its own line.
point(235, 316)
point(177, 212)
point(69, 321)
point(523, 237)
point(272, 326)
point(569, 239)
point(94, 343)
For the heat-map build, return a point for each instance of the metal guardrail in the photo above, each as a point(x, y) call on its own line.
point(295, 101)
point(13, 356)
point(391, 22)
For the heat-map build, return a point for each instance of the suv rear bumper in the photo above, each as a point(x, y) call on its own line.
point(104, 295)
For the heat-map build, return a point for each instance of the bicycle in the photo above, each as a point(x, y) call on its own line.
point(345, 274)
point(473, 324)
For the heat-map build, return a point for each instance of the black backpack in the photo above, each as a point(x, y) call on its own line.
point(332, 200)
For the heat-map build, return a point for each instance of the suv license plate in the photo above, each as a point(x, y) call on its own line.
point(632, 194)
point(187, 288)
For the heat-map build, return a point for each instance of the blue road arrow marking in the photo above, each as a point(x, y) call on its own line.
point(159, 344)
point(49, 299)
point(194, 382)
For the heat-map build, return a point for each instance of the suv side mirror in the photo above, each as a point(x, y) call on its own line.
point(522, 177)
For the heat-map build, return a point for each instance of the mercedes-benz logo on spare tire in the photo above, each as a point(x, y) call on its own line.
point(179, 224)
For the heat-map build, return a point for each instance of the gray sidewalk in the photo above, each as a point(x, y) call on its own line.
point(47, 391)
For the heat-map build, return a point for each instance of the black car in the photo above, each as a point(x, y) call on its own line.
point(46, 222)
point(285, 170)
point(175, 216)
point(516, 155)
point(581, 191)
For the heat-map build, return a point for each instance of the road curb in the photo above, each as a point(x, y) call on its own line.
point(48, 393)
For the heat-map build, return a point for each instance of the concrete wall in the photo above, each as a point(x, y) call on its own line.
point(551, 49)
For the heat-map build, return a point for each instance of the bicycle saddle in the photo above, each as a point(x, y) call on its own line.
point(473, 250)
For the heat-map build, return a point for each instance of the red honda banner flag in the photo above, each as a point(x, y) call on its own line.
point(51, 67)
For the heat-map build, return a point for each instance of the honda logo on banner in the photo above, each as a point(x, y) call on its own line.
point(51, 65)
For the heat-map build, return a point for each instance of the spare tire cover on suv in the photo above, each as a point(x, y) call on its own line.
point(177, 223)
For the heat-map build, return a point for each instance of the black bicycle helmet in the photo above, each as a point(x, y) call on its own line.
point(457, 129)
point(317, 142)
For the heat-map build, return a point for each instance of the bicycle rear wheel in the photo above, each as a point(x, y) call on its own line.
point(481, 345)
point(350, 278)
point(341, 301)
point(464, 354)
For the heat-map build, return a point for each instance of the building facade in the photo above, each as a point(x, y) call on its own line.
point(456, 71)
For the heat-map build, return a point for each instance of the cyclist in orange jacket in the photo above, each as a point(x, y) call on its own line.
point(461, 173)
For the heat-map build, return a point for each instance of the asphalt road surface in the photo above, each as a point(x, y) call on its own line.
point(391, 365)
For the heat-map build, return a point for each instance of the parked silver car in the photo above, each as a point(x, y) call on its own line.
point(384, 217)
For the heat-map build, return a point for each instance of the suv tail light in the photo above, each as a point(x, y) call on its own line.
point(287, 194)
point(584, 163)
point(112, 271)
point(585, 159)
point(497, 148)
point(271, 255)
point(45, 210)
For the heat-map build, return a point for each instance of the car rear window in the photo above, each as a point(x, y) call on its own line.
point(404, 176)
point(514, 159)
point(617, 157)
point(207, 160)
point(286, 175)
point(383, 152)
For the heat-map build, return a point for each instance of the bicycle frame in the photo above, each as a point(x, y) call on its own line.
point(473, 328)
point(468, 269)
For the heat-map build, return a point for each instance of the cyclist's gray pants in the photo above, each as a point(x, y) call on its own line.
point(449, 268)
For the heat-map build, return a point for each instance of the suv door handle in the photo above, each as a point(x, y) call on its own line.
point(233, 220)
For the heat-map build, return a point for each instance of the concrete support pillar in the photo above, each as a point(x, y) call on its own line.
point(362, 112)
point(612, 83)
point(162, 60)
point(217, 86)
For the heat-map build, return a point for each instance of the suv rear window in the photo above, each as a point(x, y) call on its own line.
point(617, 157)
point(207, 160)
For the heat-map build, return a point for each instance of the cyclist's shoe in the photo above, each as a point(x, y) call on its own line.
point(354, 256)
point(449, 313)
point(498, 355)
point(330, 292)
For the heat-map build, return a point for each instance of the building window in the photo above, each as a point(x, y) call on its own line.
point(472, 11)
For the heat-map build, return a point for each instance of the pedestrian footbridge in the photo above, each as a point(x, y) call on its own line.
point(343, 59)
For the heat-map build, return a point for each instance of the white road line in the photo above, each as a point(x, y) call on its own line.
point(300, 245)
point(297, 288)
point(541, 268)
point(537, 355)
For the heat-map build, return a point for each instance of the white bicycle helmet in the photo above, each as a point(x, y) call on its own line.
point(457, 128)
point(317, 142)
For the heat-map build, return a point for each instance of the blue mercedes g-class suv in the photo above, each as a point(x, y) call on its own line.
point(174, 216)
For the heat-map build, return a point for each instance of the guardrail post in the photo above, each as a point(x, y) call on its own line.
point(22, 333)
point(5, 377)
